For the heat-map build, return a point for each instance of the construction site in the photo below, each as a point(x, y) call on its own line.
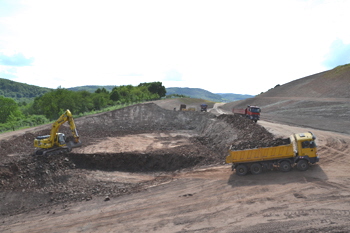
point(148, 168)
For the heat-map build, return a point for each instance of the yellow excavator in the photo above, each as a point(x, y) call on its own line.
point(56, 142)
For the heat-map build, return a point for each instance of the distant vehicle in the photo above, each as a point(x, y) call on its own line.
point(204, 107)
point(56, 143)
point(182, 107)
point(301, 151)
point(251, 112)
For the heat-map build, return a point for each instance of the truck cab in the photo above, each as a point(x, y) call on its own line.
point(305, 147)
point(253, 113)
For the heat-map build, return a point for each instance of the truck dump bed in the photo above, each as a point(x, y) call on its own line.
point(238, 111)
point(260, 154)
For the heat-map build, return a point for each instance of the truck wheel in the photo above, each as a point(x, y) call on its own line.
point(241, 170)
point(285, 166)
point(256, 169)
point(302, 165)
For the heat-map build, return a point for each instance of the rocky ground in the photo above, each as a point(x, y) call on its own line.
point(59, 179)
point(147, 169)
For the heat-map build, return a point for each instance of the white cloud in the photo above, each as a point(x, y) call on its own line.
point(222, 46)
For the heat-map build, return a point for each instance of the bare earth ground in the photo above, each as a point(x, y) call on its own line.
point(169, 176)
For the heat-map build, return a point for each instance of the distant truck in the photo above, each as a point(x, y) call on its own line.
point(204, 107)
point(300, 152)
point(184, 108)
point(251, 112)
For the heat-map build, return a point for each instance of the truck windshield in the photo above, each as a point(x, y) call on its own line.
point(308, 144)
point(255, 109)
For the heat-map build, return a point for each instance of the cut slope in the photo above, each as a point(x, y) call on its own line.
point(334, 83)
point(313, 101)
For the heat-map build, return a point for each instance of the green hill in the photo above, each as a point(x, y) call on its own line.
point(203, 94)
point(234, 97)
point(186, 91)
point(91, 88)
point(20, 91)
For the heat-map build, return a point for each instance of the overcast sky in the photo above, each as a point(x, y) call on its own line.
point(243, 47)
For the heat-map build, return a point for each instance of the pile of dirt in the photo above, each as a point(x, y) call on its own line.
point(64, 178)
point(244, 145)
point(251, 135)
point(22, 144)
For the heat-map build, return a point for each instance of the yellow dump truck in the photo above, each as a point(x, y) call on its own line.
point(300, 152)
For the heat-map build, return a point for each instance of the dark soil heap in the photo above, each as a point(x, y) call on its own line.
point(251, 135)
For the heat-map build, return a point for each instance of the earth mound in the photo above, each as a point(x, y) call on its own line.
point(42, 181)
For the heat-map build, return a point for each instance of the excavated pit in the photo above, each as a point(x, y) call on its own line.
point(176, 140)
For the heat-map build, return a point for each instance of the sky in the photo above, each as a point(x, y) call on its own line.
point(222, 46)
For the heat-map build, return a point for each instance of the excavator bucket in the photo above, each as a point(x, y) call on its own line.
point(72, 144)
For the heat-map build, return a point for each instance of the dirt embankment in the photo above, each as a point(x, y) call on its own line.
point(147, 169)
point(172, 141)
point(320, 101)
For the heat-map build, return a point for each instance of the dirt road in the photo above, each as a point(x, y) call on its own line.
point(213, 199)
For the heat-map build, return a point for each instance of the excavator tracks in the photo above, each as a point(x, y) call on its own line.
point(53, 151)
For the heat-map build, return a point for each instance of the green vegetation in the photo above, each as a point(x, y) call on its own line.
point(91, 88)
point(49, 106)
point(23, 105)
point(21, 92)
point(176, 96)
point(342, 68)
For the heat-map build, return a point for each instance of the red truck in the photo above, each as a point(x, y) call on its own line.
point(204, 107)
point(251, 112)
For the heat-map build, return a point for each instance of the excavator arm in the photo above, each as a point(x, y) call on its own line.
point(69, 117)
point(66, 116)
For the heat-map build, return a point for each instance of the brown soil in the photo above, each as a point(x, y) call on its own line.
point(319, 101)
point(147, 169)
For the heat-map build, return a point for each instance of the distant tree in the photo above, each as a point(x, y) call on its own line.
point(100, 100)
point(115, 96)
point(176, 96)
point(155, 88)
point(103, 90)
point(8, 107)
point(53, 103)
point(11, 120)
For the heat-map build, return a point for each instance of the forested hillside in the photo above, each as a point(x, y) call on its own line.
point(25, 92)
point(19, 91)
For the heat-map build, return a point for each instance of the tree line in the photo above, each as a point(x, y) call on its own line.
point(52, 104)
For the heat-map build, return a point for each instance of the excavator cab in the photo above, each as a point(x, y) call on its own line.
point(61, 138)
